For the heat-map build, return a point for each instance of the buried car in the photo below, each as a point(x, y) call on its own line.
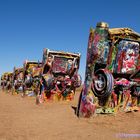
point(59, 77)
point(113, 61)
point(17, 84)
point(3, 80)
point(31, 75)
point(6, 81)
point(9, 81)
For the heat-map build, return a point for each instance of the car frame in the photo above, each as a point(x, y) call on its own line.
point(59, 76)
point(17, 81)
point(113, 56)
point(31, 74)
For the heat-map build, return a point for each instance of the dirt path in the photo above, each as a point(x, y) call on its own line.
point(21, 119)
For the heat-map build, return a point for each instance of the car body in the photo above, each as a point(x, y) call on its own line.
point(113, 58)
point(6, 80)
point(59, 77)
point(31, 74)
point(17, 83)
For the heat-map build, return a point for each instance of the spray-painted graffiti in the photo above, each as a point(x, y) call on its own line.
point(112, 59)
point(59, 77)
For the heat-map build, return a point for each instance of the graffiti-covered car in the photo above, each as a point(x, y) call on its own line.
point(59, 77)
point(9, 81)
point(3, 80)
point(6, 81)
point(31, 75)
point(113, 61)
point(18, 80)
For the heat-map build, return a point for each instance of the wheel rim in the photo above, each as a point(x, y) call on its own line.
point(103, 83)
point(100, 83)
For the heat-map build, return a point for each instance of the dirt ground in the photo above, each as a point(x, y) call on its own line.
point(22, 119)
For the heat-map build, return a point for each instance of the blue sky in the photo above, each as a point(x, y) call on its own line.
point(28, 26)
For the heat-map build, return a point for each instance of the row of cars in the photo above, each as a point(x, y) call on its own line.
point(55, 77)
point(112, 75)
